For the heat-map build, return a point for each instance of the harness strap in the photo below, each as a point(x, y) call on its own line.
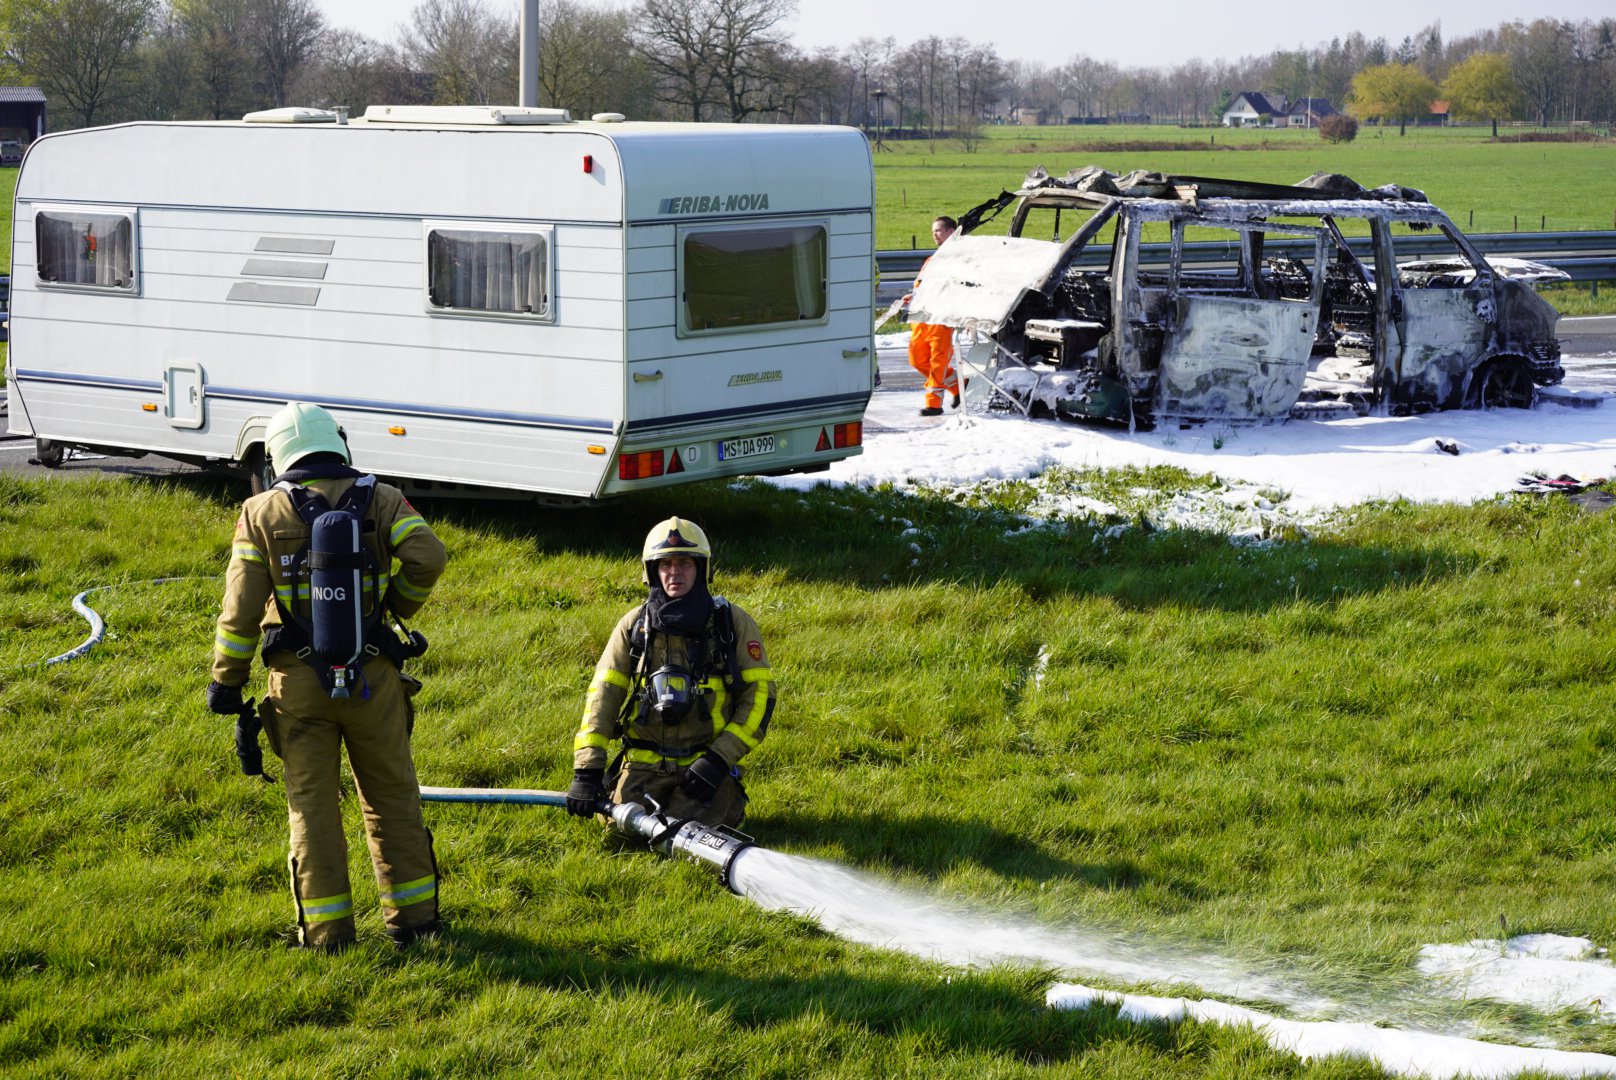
point(295, 634)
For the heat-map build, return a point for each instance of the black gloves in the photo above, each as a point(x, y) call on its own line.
point(587, 789)
point(701, 777)
point(224, 700)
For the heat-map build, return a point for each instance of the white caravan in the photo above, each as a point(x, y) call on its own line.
point(493, 297)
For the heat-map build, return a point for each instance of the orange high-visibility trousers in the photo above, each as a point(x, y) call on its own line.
point(931, 352)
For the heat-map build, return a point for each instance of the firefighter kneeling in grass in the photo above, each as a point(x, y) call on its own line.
point(310, 560)
point(684, 684)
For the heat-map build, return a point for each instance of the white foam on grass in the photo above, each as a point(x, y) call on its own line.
point(1546, 971)
point(1400, 1051)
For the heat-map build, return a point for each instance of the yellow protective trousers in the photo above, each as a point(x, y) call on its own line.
point(661, 784)
point(309, 732)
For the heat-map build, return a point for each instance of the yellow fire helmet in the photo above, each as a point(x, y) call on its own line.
point(299, 430)
point(676, 536)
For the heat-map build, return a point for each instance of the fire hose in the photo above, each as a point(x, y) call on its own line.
point(716, 846)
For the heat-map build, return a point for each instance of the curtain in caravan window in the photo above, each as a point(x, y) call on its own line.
point(85, 249)
point(488, 271)
point(742, 278)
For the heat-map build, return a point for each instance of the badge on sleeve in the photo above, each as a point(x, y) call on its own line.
point(754, 649)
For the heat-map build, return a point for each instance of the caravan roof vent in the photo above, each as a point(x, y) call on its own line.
point(293, 115)
point(464, 114)
point(608, 118)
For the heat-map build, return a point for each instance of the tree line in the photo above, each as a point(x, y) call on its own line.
point(106, 61)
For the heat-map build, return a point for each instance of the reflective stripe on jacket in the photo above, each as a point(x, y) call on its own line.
point(269, 534)
point(730, 720)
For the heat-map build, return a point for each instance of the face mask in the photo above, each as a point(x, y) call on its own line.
point(672, 690)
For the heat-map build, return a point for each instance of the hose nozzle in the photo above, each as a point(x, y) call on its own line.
point(716, 845)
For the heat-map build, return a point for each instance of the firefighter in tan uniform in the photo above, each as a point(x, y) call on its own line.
point(314, 709)
point(685, 685)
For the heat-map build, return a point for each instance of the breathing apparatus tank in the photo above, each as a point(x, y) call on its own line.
point(336, 595)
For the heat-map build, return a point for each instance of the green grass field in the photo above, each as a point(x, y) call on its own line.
point(1314, 756)
point(1483, 186)
point(1317, 756)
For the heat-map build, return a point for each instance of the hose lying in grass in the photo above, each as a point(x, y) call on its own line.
point(97, 626)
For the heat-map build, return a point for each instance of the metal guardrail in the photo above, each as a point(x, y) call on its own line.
point(1586, 256)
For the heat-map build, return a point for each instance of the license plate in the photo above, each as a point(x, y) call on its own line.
point(750, 446)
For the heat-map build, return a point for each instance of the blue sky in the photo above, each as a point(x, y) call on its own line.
point(1125, 33)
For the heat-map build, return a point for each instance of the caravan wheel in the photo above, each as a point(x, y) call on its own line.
point(49, 454)
point(259, 475)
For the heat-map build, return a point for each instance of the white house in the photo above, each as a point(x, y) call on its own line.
point(1251, 109)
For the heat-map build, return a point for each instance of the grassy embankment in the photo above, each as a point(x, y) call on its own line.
point(1483, 186)
point(1323, 753)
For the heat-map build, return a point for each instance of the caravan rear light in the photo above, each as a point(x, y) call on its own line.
point(640, 466)
point(849, 434)
point(589, 163)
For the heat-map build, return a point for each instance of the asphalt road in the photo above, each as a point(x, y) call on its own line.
point(1591, 339)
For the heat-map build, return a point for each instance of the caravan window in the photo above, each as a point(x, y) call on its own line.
point(77, 247)
point(499, 271)
point(737, 279)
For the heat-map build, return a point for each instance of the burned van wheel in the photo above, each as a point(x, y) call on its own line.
point(260, 477)
point(1502, 384)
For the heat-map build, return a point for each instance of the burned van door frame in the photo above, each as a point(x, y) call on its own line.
point(1429, 338)
point(1229, 350)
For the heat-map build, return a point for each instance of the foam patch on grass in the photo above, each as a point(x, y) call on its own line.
point(1403, 1052)
point(1545, 971)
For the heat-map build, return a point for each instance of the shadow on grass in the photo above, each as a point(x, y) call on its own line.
point(877, 539)
point(933, 846)
point(999, 1013)
point(885, 538)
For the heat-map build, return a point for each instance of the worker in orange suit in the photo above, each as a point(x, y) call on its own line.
point(931, 347)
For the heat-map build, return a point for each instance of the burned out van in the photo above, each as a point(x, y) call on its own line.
point(1320, 298)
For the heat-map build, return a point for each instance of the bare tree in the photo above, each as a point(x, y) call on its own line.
point(750, 45)
point(1541, 57)
point(354, 70)
point(281, 36)
point(868, 58)
point(979, 81)
point(216, 32)
point(676, 39)
point(714, 55)
point(167, 87)
point(1593, 47)
point(1088, 85)
point(812, 87)
point(469, 53)
point(586, 63)
point(1192, 88)
point(80, 52)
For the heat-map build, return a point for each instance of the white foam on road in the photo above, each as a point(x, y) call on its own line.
point(1304, 470)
